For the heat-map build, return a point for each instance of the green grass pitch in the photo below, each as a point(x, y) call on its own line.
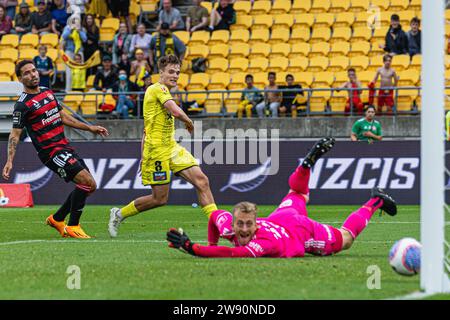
point(139, 265)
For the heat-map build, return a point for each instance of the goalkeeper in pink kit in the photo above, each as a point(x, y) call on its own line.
point(288, 231)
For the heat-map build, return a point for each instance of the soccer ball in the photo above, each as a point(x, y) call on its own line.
point(404, 256)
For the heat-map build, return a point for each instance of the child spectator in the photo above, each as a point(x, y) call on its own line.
point(139, 67)
point(78, 75)
point(5, 22)
point(250, 97)
point(354, 98)
point(388, 78)
point(44, 66)
point(22, 21)
point(290, 98)
point(396, 41)
point(414, 37)
point(271, 99)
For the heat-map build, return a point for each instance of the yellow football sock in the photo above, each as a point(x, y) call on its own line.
point(209, 209)
point(129, 210)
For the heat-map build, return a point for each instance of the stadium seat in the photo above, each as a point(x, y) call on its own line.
point(134, 11)
point(320, 6)
point(319, 49)
point(280, 7)
point(28, 54)
point(415, 5)
point(362, 19)
point(214, 102)
point(237, 81)
point(375, 63)
point(379, 35)
point(4, 79)
point(232, 101)
point(89, 104)
point(361, 34)
point(300, 49)
point(298, 64)
point(280, 50)
point(365, 77)
point(279, 64)
point(239, 36)
point(405, 99)
point(340, 63)
point(9, 41)
point(184, 36)
point(242, 22)
point(90, 82)
point(7, 69)
point(385, 18)
point(219, 81)
point(305, 20)
point(338, 101)
point(300, 6)
point(318, 101)
point(340, 78)
point(401, 62)
point(9, 55)
point(324, 20)
point(217, 65)
point(341, 34)
point(409, 78)
point(108, 29)
point(260, 79)
point(262, 21)
point(376, 50)
point(259, 36)
point(261, 7)
point(259, 50)
point(304, 78)
point(360, 63)
point(340, 48)
point(73, 100)
point(318, 64)
point(52, 53)
point(339, 6)
point(242, 7)
point(182, 82)
point(279, 36)
point(382, 4)
point(238, 65)
point(344, 19)
point(281, 77)
point(320, 34)
point(399, 5)
point(218, 51)
point(199, 37)
point(416, 62)
point(148, 6)
point(282, 21)
point(359, 5)
point(406, 17)
point(258, 65)
point(198, 81)
point(323, 79)
point(240, 50)
point(219, 37)
point(28, 41)
point(50, 40)
point(360, 48)
point(199, 51)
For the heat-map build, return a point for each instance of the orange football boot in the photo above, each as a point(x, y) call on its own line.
point(76, 232)
point(58, 225)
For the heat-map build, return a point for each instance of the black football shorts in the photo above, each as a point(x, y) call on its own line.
point(66, 163)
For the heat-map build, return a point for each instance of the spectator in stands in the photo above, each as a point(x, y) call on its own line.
point(388, 78)
point(78, 75)
point(396, 41)
point(22, 21)
point(44, 66)
point(414, 37)
point(41, 21)
point(197, 17)
point(59, 16)
point(124, 63)
point(121, 43)
point(354, 99)
point(367, 128)
point(139, 67)
point(125, 102)
point(99, 8)
point(80, 4)
point(165, 43)
point(92, 34)
point(271, 99)
point(222, 17)
point(290, 100)
point(106, 76)
point(141, 40)
point(5, 22)
point(10, 6)
point(121, 8)
point(171, 16)
point(250, 97)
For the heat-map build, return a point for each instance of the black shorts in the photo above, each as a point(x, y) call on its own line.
point(66, 163)
point(120, 8)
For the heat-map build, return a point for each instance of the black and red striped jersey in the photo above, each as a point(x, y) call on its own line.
point(40, 114)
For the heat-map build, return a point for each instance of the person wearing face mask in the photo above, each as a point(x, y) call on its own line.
point(125, 102)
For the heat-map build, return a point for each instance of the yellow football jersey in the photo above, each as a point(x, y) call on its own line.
point(158, 122)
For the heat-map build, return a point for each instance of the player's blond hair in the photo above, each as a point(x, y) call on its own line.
point(245, 207)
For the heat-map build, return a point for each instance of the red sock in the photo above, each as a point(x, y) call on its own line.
point(358, 220)
point(299, 179)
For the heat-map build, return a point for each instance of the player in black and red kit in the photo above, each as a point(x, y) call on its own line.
point(40, 113)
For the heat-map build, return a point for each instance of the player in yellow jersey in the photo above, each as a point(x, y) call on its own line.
point(161, 154)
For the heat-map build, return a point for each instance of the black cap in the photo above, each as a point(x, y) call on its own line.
point(165, 26)
point(106, 58)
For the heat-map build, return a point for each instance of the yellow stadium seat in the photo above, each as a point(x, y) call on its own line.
point(360, 63)
point(300, 6)
point(379, 35)
point(338, 101)
point(447, 16)
point(7, 69)
point(237, 81)
point(382, 4)
point(447, 61)
point(319, 49)
point(280, 50)
point(406, 17)
point(304, 78)
point(260, 79)
point(50, 40)
point(232, 101)
point(300, 49)
point(238, 65)
point(214, 102)
point(9, 41)
point(340, 78)
point(360, 48)
point(219, 81)
point(405, 100)
point(339, 6)
point(280, 35)
point(298, 64)
point(409, 78)
point(339, 63)
point(341, 34)
point(28, 54)
point(416, 62)
point(323, 79)
point(344, 19)
point(281, 77)
point(279, 64)
point(218, 51)
point(52, 53)
point(184, 36)
point(363, 19)
point(73, 100)
point(340, 48)
point(200, 98)
point(318, 101)
point(89, 104)
point(399, 5)
point(320, 6)
point(318, 64)
point(219, 37)
point(259, 35)
point(281, 6)
point(262, 21)
point(149, 5)
point(324, 20)
point(28, 41)
point(199, 51)
point(282, 21)
point(90, 81)
point(365, 77)
point(242, 7)
point(217, 65)
point(447, 77)
point(359, 5)
point(385, 18)
point(304, 20)
point(182, 82)
point(375, 63)
point(258, 65)
point(108, 29)
point(361, 34)
point(239, 36)
point(320, 34)
point(198, 81)
point(240, 50)
point(259, 50)
point(261, 7)
point(376, 50)
point(242, 22)
point(4, 79)
point(9, 55)
point(401, 62)
point(135, 11)
point(415, 5)
point(199, 37)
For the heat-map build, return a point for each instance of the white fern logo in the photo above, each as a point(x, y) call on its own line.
point(247, 181)
point(37, 179)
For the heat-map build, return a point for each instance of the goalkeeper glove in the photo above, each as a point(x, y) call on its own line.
point(180, 240)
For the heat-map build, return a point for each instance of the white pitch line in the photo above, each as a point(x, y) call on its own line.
point(417, 295)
